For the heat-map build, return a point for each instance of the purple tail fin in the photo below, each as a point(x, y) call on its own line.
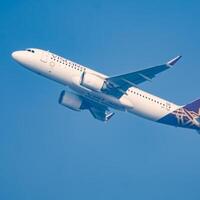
point(194, 106)
point(187, 116)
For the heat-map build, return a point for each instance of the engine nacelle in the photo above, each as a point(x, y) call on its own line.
point(70, 100)
point(92, 81)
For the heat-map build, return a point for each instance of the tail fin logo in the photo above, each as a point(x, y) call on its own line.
point(187, 118)
point(190, 114)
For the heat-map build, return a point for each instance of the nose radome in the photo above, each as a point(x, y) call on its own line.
point(16, 55)
point(13, 54)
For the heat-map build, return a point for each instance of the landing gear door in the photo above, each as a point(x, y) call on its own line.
point(44, 57)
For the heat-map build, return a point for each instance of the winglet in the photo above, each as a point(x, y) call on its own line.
point(174, 61)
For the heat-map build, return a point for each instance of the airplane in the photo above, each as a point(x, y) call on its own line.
point(101, 94)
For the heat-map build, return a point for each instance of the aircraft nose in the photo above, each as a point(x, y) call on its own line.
point(16, 55)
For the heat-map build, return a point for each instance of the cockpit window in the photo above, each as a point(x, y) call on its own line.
point(30, 50)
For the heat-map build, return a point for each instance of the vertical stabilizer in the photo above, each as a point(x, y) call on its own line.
point(194, 106)
point(187, 116)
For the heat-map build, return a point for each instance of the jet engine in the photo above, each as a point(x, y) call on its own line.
point(70, 100)
point(92, 81)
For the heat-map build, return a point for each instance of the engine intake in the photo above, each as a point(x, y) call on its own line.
point(70, 100)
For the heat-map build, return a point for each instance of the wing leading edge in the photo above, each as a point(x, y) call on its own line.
point(118, 85)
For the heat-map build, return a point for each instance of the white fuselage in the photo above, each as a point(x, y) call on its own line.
point(70, 73)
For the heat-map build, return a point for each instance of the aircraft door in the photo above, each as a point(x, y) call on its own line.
point(168, 106)
point(51, 66)
point(44, 57)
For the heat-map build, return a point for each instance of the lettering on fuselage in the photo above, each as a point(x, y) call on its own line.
point(59, 59)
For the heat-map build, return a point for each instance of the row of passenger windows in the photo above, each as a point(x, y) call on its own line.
point(146, 97)
point(73, 65)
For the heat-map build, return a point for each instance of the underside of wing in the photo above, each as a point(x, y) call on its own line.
point(77, 102)
point(102, 115)
point(98, 111)
point(118, 85)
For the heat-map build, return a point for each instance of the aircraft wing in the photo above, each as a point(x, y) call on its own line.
point(102, 115)
point(118, 85)
point(98, 111)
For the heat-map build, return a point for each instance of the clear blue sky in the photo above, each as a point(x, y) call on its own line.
point(48, 152)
